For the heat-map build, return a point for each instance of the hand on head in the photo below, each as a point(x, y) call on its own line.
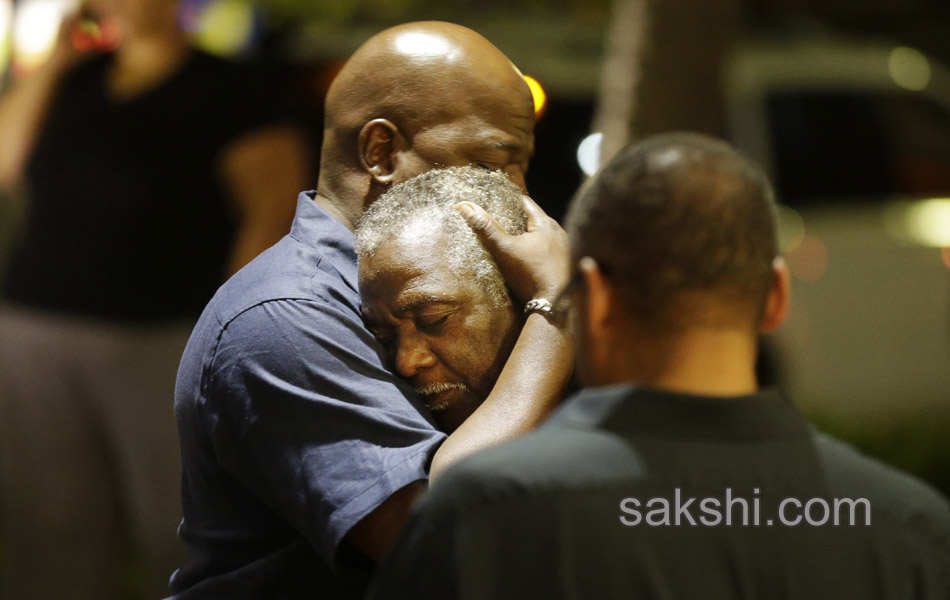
point(534, 264)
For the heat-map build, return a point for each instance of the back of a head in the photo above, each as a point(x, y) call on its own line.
point(684, 225)
point(423, 208)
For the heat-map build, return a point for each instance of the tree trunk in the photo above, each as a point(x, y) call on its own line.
point(662, 67)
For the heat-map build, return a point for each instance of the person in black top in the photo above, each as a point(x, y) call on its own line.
point(151, 173)
point(672, 475)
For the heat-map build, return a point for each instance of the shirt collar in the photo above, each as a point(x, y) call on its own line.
point(315, 227)
point(635, 410)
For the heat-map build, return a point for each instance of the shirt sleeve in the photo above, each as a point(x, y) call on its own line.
point(426, 560)
point(305, 415)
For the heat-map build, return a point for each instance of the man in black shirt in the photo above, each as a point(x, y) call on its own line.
point(673, 475)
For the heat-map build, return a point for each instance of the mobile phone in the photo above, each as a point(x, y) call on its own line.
point(92, 33)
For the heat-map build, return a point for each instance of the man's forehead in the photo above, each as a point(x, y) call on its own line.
point(417, 290)
point(406, 253)
point(418, 255)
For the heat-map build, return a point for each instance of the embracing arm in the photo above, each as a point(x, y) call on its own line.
point(535, 265)
point(530, 386)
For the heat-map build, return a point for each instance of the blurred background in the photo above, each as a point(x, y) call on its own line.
point(846, 103)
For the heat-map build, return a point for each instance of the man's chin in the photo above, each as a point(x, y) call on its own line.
point(450, 404)
point(441, 402)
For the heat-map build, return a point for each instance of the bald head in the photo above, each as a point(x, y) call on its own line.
point(420, 73)
point(418, 96)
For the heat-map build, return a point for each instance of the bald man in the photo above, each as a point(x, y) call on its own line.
point(302, 453)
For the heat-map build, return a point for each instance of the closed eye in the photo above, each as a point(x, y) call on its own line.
point(432, 324)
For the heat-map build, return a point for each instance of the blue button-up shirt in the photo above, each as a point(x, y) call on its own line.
point(292, 428)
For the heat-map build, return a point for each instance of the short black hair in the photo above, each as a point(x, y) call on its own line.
point(676, 214)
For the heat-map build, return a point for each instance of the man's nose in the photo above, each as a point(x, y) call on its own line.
point(413, 354)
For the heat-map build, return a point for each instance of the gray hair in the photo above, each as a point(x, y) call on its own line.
point(424, 207)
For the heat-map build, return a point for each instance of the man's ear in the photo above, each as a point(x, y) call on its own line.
point(377, 143)
point(597, 304)
point(776, 305)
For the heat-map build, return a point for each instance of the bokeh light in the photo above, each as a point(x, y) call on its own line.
point(809, 261)
point(791, 229)
point(909, 68)
point(35, 28)
point(537, 93)
point(588, 153)
point(924, 222)
point(224, 27)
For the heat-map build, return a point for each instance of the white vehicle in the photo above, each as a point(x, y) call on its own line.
point(856, 136)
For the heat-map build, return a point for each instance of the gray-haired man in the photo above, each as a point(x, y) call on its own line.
point(432, 294)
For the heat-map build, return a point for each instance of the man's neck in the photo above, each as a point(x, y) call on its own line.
point(336, 211)
point(344, 193)
point(144, 62)
point(706, 362)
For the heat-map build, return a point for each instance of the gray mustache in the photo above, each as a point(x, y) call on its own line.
point(438, 388)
